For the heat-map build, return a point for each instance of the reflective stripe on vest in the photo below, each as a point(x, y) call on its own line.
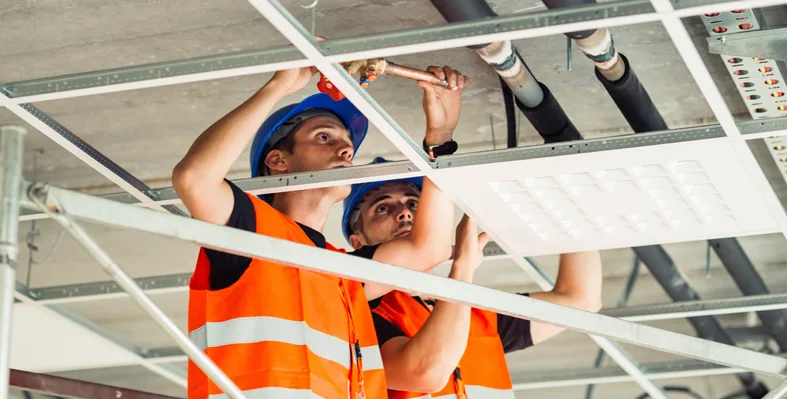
point(484, 371)
point(249, 330)
point(274, 393)
point(280, 332)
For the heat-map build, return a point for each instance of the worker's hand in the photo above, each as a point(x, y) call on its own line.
point(442, 105)
point(468, 252)
point(289, 81)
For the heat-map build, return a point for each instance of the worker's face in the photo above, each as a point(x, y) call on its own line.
point(321, 142)
point(387, 214)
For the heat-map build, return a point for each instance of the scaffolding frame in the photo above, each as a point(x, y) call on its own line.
point(17, 98)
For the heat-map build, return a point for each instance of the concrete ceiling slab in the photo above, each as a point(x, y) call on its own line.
point(148, 131)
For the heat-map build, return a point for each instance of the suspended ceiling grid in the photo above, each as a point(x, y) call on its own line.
point(175, 143)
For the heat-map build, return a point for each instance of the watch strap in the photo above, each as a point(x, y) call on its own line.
point(447, 148)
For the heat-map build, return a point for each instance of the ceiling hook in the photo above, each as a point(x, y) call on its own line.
point(312, 5)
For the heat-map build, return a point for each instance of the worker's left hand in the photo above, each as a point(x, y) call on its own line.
point(469, 248)
point(442, 105)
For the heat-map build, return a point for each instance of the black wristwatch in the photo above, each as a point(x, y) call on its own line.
point(447, 148)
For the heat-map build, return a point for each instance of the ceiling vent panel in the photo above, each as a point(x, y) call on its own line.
point(613, 199)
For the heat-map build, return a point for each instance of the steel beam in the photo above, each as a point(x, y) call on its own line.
point(770, 44)
point(676, 285)
point(404, 169)
point(738, 265)
point(708, 307)
point(155, 285)
point(59, 386)
point(175, 355)
point(609, 375)
point(174, 283)
point(259, 246)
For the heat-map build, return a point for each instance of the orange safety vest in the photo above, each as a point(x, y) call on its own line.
point(280, 332)
point(482, 372)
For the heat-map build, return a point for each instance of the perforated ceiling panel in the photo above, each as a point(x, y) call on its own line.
point(610, 199)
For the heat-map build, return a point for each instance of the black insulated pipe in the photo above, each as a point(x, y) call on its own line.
point(633, 100)
point(532, 97)
point(734, 259)
point(571, 3)
point(549, 119)
point(508, 99)
point(464, 10)
point(663, 269)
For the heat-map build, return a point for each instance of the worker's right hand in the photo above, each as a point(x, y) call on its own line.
point(468, 251)
point(289, 81)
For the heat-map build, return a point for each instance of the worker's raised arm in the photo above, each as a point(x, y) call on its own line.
point(578, 286)
point(425, 362)
point(199, 177)
point(429, 241)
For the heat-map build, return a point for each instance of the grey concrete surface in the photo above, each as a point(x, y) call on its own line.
point(148, 131)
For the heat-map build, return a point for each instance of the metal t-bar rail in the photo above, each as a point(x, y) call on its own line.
point(69, 204)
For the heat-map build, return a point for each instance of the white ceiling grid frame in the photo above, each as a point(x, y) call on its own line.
point(695, 65)
point(248, 244)
point(161, 81)
point(297, 35)
point(632, 20)
point(401, 49)
point(48, 131)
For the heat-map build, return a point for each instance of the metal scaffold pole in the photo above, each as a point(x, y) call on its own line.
point(38, 194)
point(11, 142)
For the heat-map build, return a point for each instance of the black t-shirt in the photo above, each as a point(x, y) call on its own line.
point(243, 217)
point(514, 332)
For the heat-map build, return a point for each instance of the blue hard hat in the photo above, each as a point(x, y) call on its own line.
point(359, 191)
point(355, 122)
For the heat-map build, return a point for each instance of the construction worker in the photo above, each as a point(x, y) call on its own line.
point(276, 330)
point(443, 348)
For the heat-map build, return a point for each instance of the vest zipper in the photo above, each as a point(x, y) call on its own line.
point(356, 345)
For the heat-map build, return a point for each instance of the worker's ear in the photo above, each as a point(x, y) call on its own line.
point(357, 241)
point(276, 161)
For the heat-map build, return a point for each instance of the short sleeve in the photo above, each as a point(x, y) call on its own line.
point(514, 332)
point(385, 329)
point(366, 252)
point(227, 268)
